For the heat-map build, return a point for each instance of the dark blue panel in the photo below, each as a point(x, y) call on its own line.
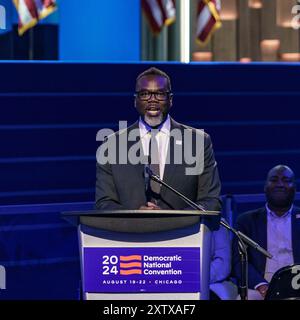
point(50, 196)
point(66, 109)
point(248, 174)
point(57, 281)
point(47, 175)
point(40, 252)
point(108, 77)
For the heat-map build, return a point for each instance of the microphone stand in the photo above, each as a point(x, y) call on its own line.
point(243, 240)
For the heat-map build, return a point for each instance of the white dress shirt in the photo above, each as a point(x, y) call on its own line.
point(162, 138)
point(279, 230)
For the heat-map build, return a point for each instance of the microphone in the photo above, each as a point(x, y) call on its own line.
point(150, 174)
point(255, 245)
point(157, 179)
point(147, 176)
point(197, 206)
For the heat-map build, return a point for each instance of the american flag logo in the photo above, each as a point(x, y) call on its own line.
point(130, 265)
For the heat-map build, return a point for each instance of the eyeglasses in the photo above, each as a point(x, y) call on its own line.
point(159, 95)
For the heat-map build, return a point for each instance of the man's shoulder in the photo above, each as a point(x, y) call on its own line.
point(182, 126)
point(296, 209)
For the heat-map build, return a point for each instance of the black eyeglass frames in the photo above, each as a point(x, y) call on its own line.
point(145, 95)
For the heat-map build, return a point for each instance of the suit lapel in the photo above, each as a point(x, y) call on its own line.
point(263, 228)
point(170, 171)
point(136, 171)
point(262, 235)
point(295, 234)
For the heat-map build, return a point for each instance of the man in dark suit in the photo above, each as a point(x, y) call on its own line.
point(276, 227)
point(122, 184)
point(182, 156)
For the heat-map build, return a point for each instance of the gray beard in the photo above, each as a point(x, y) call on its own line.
point(153, 121)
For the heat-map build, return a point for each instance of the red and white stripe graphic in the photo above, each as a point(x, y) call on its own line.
point(130, 265)
point(208, 19)
point(159, 13)
point(130, 258)
point(31, 11)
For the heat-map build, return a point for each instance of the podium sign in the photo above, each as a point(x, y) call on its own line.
point(137, 270)
point(145, 254)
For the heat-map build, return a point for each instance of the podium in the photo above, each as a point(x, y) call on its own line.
point(145, 254)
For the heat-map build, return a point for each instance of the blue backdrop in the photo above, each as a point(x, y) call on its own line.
point(99, 30)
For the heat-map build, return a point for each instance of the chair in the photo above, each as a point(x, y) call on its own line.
point(285, 284)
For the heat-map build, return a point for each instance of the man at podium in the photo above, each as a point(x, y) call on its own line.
point(180, 155)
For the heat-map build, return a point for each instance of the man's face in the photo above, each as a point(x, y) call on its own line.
point(154, 108)
point(280, 188)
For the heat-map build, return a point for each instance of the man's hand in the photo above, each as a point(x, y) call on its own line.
point(150, 206)
point(263, 290)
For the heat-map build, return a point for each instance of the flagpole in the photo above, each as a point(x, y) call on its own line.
point(184, 31)
point(31, 44)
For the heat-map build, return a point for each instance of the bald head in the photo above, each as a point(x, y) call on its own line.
point(280, 188)
point(282, 168)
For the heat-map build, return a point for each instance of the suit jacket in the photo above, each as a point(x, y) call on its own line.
point(122, 186)
point(254, 225)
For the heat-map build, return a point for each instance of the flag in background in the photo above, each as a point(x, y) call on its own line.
point(159, 13)
point(208, 19)
point(31, 11)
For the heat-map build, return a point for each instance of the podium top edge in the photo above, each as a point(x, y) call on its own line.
point(134, 213)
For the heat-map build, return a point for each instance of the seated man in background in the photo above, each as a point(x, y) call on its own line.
point(275, 227)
